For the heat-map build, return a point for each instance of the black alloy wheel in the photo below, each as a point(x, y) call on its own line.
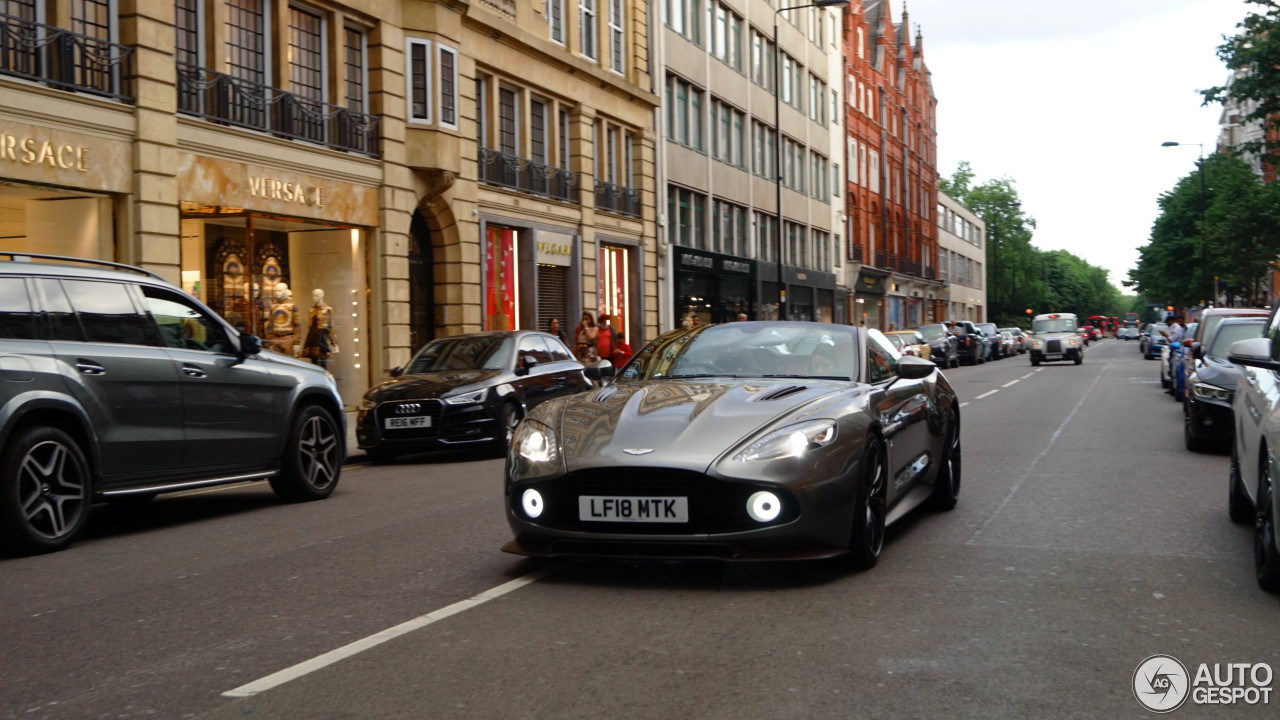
point(46, 491)
point(1193, 442)
point(312, 459)
point(1239, 507)
point(870, 507)
point(1266, 560)
point(508, 419)
point(946, 486)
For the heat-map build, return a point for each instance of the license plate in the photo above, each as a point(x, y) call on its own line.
point(400, 423)
point(633, 509)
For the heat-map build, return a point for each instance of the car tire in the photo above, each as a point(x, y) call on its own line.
point(946, 486)
point(46, 490)
point(1193, 442)
point(508, 418)
point(870, 507)
point(313, 455)
point(1079, 359)
point(1035, 361)
point(1266, 560)
point(1239, 507)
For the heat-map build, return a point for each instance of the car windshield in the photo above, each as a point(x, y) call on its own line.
point(1231, 333)
point(488, 352)
point(987, 329)
point(748, 349)
point(932, 332)
point(1057, 324)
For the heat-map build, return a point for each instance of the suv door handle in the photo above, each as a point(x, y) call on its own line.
point(90, 368)
point(193, 371)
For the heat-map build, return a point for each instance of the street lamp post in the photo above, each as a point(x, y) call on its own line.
point(1203, 210)
point(777, 144)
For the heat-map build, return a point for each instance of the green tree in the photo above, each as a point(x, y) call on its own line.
point(1253, 56)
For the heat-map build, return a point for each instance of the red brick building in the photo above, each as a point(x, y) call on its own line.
point(891, 172)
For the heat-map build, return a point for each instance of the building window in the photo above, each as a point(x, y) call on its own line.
point(353, 51)
point(187, 24)
point(617, 55)
point(686, 215)
point(587, 27)
point(507, 122)
point(684, 113)
point(306, 54)
point(538, 131)
point(564, 139)
point(685, 17)
point(246, 41)
point(92, 18)
point(448, 86)
point(419, 73)
point(555, 19)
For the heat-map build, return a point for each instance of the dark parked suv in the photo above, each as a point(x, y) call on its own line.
point(972, 344)
point(116, 386)
point(942, 345)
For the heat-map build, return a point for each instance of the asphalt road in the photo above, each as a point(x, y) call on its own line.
point(1086, 540)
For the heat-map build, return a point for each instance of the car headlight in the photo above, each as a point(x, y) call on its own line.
point(368, 403)
point(535, 442)
point(467, 398)
point(1035, 344)
point(1211, 392)
point(792, 441)
point(1073, 342)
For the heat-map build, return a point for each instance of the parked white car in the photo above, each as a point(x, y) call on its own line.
point(1254, 465)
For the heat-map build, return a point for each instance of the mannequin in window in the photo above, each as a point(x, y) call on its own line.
point(282, 328)
point(320, 342)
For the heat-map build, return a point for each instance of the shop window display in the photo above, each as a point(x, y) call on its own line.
point(300, 285)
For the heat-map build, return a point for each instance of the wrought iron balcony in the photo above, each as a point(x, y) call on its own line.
point(225, 99)
point(512, 171)
point(616, 198)
point(882, 260)
point(65, 60)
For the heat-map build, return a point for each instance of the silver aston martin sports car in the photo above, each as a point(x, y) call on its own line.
point(743, 441)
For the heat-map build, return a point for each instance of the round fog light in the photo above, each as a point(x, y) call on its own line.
point(763, 506)
point(531, 501)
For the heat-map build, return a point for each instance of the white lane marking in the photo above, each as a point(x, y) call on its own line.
point(321, 661)
point(1012, 382)
point(963, 404)
point(1034, 463)
point(1033, 372)
point(988, 393)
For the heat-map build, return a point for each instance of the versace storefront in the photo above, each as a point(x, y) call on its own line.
point(282, 255)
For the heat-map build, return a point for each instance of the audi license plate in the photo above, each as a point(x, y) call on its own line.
point(400, 423)
point(633, 509)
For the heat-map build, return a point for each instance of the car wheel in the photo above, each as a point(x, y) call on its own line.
point(1189, 438)
point(869, 508)
point(508, 418)
point(955, 361)
point(1266, 560)
point(1238, 505)
point(45, 491)
point(1079, 359)
point(946, 487)
point(312, 457)
point(1035, 361)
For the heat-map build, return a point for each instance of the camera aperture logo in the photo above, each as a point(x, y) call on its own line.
point(1162, 684)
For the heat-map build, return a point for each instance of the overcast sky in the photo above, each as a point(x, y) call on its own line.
point(1071, 101)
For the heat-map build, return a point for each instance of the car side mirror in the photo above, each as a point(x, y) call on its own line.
point(599, 370)
point(1254, 352)
point(397, 371)
point(911, 367)
point(249, 344)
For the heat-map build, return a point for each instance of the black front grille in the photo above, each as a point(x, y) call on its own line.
point(410, 408)
point(1053, 346)
point(715, 506)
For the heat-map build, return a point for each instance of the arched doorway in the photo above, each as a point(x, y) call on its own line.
point(422, 305)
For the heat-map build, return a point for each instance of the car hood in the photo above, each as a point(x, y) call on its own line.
point(429, 385)
point(1218, 371)
point(686, 424)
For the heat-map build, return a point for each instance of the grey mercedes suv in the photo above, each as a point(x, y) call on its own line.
point(116, 386)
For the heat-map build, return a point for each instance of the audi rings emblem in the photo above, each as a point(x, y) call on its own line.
point(409, 409)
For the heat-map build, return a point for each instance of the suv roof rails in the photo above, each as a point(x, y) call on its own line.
point(26, 257)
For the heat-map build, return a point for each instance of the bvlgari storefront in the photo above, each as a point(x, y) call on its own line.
point(282, 255)
point(60, 190)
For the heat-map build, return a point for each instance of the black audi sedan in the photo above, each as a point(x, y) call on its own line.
point(1208, 418)
point(741, 441)
point(467, 391)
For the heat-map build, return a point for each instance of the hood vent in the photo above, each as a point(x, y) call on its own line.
point(605, 394)
point(781, 393)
